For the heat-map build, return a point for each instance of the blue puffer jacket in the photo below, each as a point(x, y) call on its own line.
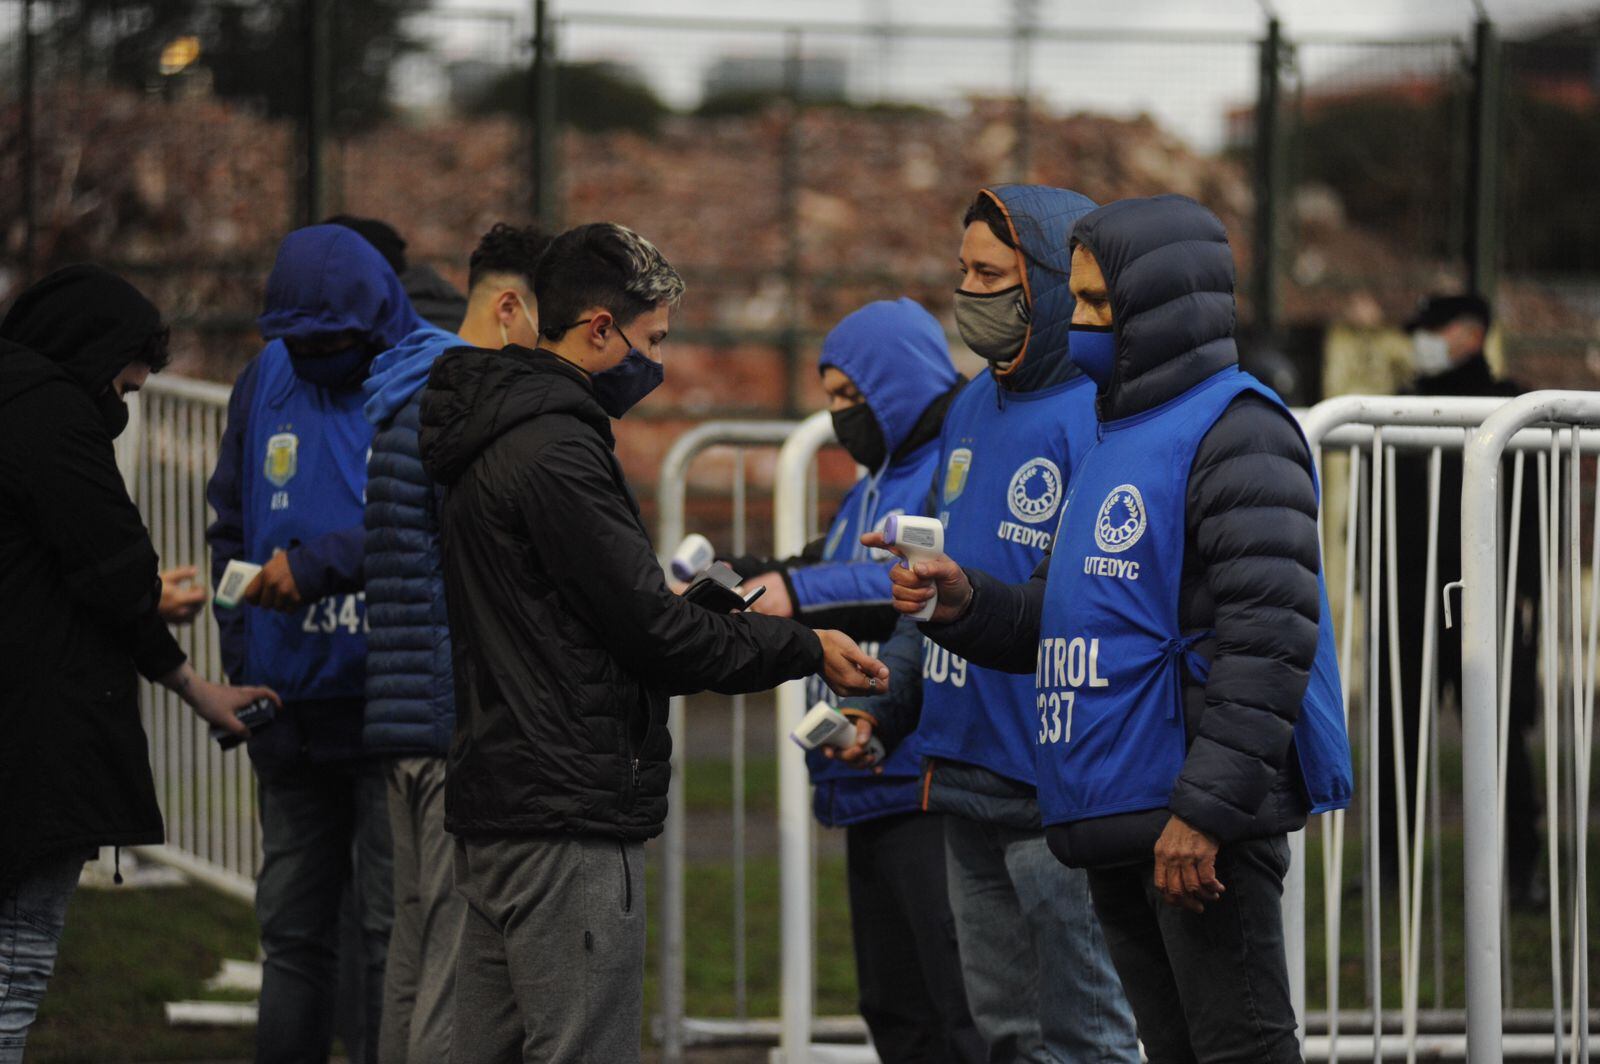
point(410, 688)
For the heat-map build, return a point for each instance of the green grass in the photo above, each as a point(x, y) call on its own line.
point(125, 954)
point(708, 785)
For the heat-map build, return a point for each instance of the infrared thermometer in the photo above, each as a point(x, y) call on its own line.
point(235, 578)
point(826, 726)
point(920, 539)
point(692, 557)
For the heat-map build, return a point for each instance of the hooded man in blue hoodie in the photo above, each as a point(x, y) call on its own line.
point(411, 710)
point(1038, 976)
point(288, 491)
point(889, 378)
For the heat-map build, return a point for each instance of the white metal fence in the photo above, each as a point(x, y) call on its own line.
point(207, 796)
point(1430, 977)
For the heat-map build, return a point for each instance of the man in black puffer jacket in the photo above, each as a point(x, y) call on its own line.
point(567, 644)
point(1187, 883)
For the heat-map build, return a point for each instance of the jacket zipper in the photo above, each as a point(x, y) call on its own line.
point(927, 783)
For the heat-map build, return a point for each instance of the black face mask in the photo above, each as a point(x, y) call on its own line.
point(859, 433)
point(113, 411)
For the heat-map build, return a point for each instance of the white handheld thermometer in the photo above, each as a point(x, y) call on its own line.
point(235, 578)
point(921, 539)
point(826, 726)
point(692, 557)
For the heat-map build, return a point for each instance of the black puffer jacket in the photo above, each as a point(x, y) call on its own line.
point(1251, 554)
point(566, 639)
point(77, 577)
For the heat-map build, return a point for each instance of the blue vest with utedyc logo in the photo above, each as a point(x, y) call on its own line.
point(305, 467)
point(1003, 472)
point(1109, 720)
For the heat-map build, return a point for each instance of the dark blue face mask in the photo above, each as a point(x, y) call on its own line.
point(619, 388)
point(1093, 349)
point(341, 369)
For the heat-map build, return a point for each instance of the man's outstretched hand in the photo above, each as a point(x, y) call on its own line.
point(1186, 867)
point(914, 587)
point(849, 670)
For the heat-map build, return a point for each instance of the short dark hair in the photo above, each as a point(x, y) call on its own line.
point(381, 235)
point(601, 264)
point(984, 208)
point(507, 249)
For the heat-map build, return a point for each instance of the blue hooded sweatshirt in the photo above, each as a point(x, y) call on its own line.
point(291, 475)
point(1006, 454)
point(410, 688)
point(896, 355)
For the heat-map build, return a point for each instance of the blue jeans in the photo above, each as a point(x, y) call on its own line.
point(323, 826)
point(31, 918)
point(1039, 979)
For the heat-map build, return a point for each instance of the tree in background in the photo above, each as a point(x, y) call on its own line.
point(254, 52)
point(595, 97)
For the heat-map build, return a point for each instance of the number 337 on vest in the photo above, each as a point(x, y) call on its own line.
point(1064, 666)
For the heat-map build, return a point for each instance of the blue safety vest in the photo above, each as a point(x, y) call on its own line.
point(305, 471)
point(1109, 722)
point(1005, 462)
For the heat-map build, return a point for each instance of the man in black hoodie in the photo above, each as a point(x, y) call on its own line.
point(79, 579)
point(567, 644)
point(1179, 779)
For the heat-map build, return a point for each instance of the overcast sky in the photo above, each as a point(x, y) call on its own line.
point(1187, 85)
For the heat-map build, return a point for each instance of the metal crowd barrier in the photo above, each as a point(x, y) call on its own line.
point(1569, 656)
point(676, 1029)
point(207, 796)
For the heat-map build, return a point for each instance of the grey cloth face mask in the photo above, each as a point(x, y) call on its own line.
point(993, 324)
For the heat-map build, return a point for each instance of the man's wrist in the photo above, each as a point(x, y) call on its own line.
point(966, 606)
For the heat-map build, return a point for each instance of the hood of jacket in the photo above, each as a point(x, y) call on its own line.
point(1169, 273)
point(895, 353)
point(83, 321)
point(1042, 218)
point(400, 372)
point(328, 279)
point(476, 396)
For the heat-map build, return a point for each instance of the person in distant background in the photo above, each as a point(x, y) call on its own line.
point(82, 621)
point(411, 709)
point(288, 493)
point(1448, 333)
point(434, 298)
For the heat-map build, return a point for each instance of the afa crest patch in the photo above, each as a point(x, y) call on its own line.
point(955, 473)
point(283, 458)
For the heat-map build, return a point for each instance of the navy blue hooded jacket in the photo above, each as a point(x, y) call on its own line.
point(410, 688)
point(896, 355)
point(326, 280)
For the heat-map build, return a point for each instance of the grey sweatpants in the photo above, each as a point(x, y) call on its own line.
point(551, 967)
point(419, 984)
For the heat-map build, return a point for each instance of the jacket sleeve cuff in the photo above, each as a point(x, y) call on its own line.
point(1206, 812)
point(156, 652)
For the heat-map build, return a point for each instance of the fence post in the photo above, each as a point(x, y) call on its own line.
point(1483, 162)
point(1024, 16)
point(315, 120)
point(796, 878)
point(789, 205)
point(1268, 182)
point(542, 106)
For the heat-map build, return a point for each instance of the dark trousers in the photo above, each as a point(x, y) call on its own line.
point(908, 967)
point(323, 828)
point(1211, 987)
